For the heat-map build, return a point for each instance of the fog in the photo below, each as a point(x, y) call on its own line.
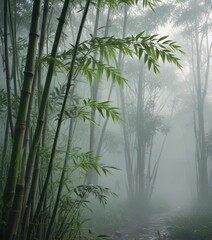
point(113, 125)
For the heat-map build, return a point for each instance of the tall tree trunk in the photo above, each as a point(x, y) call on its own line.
point(141, 143)
point(7, 63)
point(92, 176)
point(93, 93)
point(200, 93)
point(127, 153)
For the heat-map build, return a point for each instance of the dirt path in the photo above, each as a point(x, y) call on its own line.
point(153, 229)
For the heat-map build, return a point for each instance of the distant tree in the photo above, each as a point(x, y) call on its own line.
point(138, 107)
point(194, 18)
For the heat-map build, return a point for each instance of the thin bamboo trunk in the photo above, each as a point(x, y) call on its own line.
point(4, 151)
point(98, 152)
point(7, 67)
point(69, 82)
point(141, 143)
point(44, 100)
point(94, 92)
point(92, 176)
point(203, 173)
point(127, 155)
point(14, 47)
point(61, 183)
point(41, 46)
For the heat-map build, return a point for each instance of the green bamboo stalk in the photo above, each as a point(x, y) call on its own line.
point(60, 187)
point(26, 145)
point(127, 154)
point(30, 202)
point(110, 91)
point(41, 44)
point(91, 175)
point(102, 134)
point(17, 149)
point(13, 222)
point(44, 100)
point(7, 70)
point(140, 143)
point(99, 147)
point(4, 151)
point(94, 91)
point(12, 24)
point(69, 82)
point(13, 216)
point(36, 80)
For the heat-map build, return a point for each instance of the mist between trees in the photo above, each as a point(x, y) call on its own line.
point(102, 100)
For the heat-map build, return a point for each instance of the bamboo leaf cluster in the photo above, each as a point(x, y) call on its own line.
point(83, 112)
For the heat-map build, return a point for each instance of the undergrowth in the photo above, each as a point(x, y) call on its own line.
point(195, 225)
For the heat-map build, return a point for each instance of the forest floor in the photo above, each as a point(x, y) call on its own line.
point(155, 228)
point(181, 223)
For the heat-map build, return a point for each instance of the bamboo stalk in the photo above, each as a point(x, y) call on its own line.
point(93, 92)
point(44, 100)
point(7, 68)
point(127, 155)
point(69, 82)
point(12, 24)
point(17, 148)
point(35, 82)
point(60, 187)
point(4, 151)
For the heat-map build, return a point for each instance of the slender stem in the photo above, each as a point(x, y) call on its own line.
point(5, 146)
point(59, 191)
point(13, 40)
point(7, 70)
point(71, 73)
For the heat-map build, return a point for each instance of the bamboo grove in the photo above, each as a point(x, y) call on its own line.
point(42, 194)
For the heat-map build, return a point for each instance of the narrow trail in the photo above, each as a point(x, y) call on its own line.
point(155, 228)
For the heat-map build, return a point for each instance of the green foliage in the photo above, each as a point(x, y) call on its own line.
point(104, 109)
point(152, 48)
point(115, 3)
point(96, 69)
point(85, 161)
point(3, 101)
point(99, 192)
point(70, 222)
point(84, 112)
point(151, 3)
point(195, 226)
